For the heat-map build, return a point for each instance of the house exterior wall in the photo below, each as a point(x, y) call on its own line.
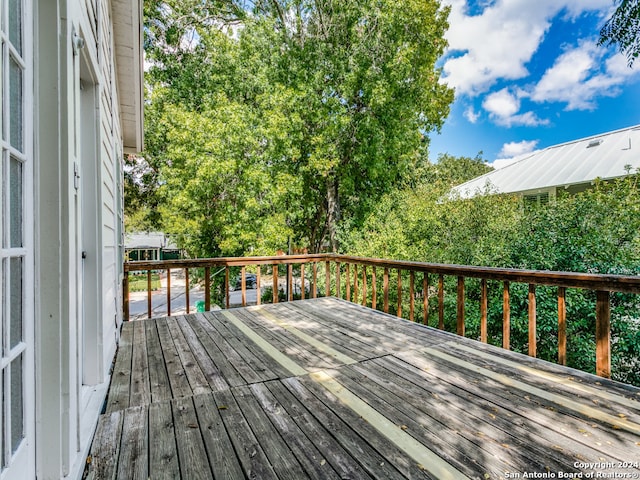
point(77, 210)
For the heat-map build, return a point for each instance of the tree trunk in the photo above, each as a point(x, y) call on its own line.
point(333, 211)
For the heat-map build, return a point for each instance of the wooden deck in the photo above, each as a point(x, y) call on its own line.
point(327, 389)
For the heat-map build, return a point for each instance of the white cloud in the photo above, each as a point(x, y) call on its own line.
point(580, 75)
point(514, 149)
point(498, 43)
point(503, 107)
point(471, 115)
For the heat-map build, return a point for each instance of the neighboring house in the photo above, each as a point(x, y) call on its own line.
point(571, 167)
point(71, 100)
point(149, 246)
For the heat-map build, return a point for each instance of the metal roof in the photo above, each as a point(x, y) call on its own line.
point(604, 156)
point(147, 240)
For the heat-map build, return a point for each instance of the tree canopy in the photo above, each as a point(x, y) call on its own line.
point(287, 119)
point(623, 29)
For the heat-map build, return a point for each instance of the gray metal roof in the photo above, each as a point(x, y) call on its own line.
point(602, 156)
point(148, 240)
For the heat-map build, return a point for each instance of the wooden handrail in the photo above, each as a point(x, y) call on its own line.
point(603, 285)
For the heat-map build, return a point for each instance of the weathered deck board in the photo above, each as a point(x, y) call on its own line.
point(326, 389)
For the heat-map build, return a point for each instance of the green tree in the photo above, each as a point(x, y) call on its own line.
point(623, 29)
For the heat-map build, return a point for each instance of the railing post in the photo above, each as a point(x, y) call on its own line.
point(425, 299)
point(460, 307)
point(399, 310)
point(506, 317)
point(562, 326)
point(207, 288)
point(125, 296)
point(532, 321)
point(149, 292)
point(441, 302)
point(483, 310)
point(275, 283)
point(603, 334)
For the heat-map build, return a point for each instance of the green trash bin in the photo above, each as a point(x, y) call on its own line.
point(200, 306)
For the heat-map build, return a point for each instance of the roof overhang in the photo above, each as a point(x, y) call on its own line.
point(127, 29)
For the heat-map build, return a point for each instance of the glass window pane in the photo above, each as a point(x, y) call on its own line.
point(17, 410)
point(15, 106)
point(15, 203)
point(15, 24)
point(15, 292)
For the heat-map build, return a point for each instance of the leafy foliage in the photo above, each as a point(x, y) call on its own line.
point(595, 231)
point(623, 29)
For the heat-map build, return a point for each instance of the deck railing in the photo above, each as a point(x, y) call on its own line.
point(369, 282)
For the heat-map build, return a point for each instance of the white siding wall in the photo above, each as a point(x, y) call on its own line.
point(69, 388)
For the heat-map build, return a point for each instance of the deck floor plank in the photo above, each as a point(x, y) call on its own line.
point(158, 378)
point(177, 377)
point(163, 453)
point(194, 463)
point(222, 457)
point(119, 390)
point(133, 461)
point(326, 389)
point(197, 380)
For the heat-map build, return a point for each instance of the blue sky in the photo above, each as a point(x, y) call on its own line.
point(528, 74)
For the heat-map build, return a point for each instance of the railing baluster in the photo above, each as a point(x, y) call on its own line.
point(290, 282)
point(506, 317)
point(149, 292)
point(399, 310)
point(441, 302)
point(338, 292)
point(258, 287)
point(355, 283)
point(186, 287)
point(314, 290)
point(243, 286)
point(562, 326)
point(385, 289)
point(125, 297)
point(302, 281)
point(227, 302)
point(425, 299)
point(348, 292)
point(603, 334)
point(460, 307)
point(532, 321)
point(483, 310)
point(275, 284)
point(327, 279)
point(207, 288)
point(412, 306)
point(364, 285)
point(168, 292)
point(374, 289)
